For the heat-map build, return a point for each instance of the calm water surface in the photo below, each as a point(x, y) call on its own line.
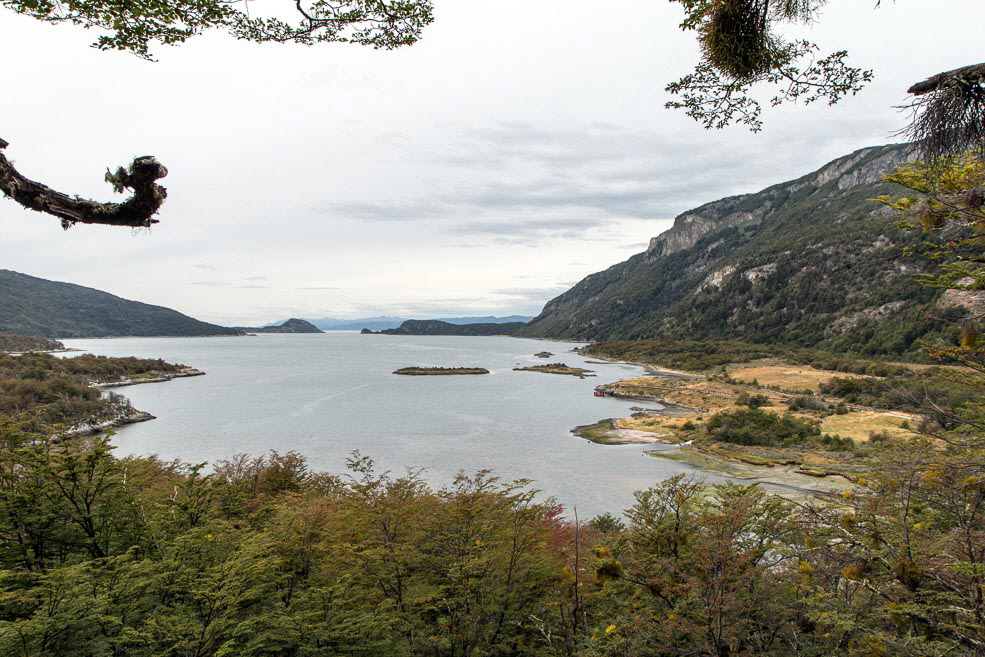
point(326, 395)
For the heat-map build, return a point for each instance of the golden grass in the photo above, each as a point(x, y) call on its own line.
point(859, 425)
point(788, 377)
point(665, 426)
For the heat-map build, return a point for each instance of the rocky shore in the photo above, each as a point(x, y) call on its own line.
point(150, 377)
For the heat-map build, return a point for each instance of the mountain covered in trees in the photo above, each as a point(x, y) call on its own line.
point(382, 323)
point(35, 306)
point(810, 262)
point(439, 327)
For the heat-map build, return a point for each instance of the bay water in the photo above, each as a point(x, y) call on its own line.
point(328, 395)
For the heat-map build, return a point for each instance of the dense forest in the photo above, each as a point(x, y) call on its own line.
point(263, 557)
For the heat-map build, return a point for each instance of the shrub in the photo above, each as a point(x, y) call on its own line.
point(755, 426)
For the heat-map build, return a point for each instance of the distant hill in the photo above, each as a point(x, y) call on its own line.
point(35, 306)
point(372, 323)
point(439, 327)
point(809, 262)
point(511, 319)
point(381, 323)
point(292, 325)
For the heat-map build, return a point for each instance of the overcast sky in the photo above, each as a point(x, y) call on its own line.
point(520, 146)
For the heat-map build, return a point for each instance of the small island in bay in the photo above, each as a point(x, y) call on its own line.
point(440, 371)
point(293, 325)
point(543, 354)
point(556, 368)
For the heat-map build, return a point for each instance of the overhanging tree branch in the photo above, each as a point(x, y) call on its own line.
point(137, 211)
point(949, 112)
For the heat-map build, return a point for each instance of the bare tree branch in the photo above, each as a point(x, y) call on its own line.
point(137, 211)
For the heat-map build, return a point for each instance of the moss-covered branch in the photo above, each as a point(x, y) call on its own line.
point(137, 211)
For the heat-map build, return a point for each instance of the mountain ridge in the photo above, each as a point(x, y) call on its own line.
point(811, 261)
point(52, 309)
point(439, 327)
point(388, 322)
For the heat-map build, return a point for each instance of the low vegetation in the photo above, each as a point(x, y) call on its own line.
point(556, 368)
point(786, 420)
point(41, 391)
point(754, 426)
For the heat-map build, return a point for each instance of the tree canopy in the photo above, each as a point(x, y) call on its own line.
point(135, 26)
point(740, 40)
point(742, 48)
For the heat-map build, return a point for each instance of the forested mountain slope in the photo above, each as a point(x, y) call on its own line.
point(35, 306)
point(439, 327)
point(808, 262)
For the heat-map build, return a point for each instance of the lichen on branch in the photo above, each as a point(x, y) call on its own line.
point(137, 212)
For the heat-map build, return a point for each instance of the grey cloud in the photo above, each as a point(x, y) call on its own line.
point(228, 285)
point(534, 294)
point(574, 181)
point(390, 211)
point(599, 170)
point(573, 226)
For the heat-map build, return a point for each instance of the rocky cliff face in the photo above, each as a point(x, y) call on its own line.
point(811, 261)
point(865, 167)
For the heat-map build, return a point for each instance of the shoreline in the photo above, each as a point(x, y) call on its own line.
point(135, 415)
point(795, 478)
point(606, 432)
point(160, 378)
point(90, 429)
point(785, 476)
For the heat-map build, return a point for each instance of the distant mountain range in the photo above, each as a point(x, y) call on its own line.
point(810, 262)
point(38, 307)
point(35, 306)
point(382, 323)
